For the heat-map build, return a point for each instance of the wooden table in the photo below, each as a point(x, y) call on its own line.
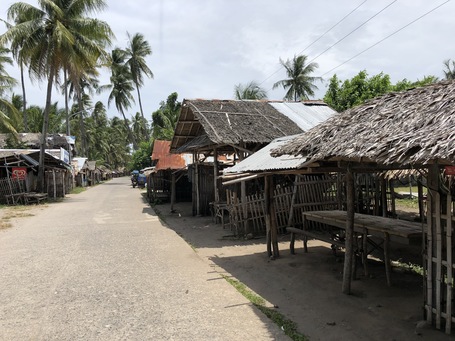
point(366, 226)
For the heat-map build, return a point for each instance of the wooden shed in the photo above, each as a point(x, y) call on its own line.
point(212, 128)
point(414, 130)
point(168, 180)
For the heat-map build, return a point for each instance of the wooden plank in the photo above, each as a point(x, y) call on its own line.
point(348, 256)
point(449, 266)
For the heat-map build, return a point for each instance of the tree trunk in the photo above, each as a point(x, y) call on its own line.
point(81, 123)
point(130, 132)
point(24, 99)
point(144, 121)
point(65, 78)
point(44, 131)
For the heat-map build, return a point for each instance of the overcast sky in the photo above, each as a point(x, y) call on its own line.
point(203, 48)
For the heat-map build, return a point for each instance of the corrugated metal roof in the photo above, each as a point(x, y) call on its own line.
point(262, 160)
point(166, 160)
point(305, 115)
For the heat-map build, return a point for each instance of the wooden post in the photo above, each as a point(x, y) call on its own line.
point(273, 220)
point(267, 214)
point(196, 183)
point(55, 185)
point(294, 196)
point(172, 192)
point(420, 198)
point(215, 175)
point(433, 197)
point(350, 201)
point(244, 207)
point(384, 196)
point(449, 265)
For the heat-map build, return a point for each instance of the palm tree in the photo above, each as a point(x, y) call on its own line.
point(300, 83)
point(57, 36)
point(121, 89)
point(166, 117)
point(8, 111)
point(19, 54)
point(449, 72)
point(136, 52)
point(250, 91)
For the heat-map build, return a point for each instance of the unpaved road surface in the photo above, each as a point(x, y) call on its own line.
point(101, 266)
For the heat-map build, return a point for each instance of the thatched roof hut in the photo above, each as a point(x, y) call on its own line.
point(409, 128)
point(205, 124)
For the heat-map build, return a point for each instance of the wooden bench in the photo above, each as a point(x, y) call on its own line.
point(365, 227)
point(313, 235)
point(31, 197)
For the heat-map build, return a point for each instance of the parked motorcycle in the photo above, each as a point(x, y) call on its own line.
point(134, 178)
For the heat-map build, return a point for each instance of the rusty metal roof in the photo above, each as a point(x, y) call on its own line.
point(166, 160)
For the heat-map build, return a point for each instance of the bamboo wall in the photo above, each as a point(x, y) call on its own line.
point(308, 193)
point(439, 251)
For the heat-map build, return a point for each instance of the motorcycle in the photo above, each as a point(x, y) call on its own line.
point(134, 178)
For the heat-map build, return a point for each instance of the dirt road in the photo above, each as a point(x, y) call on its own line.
point(101, 266)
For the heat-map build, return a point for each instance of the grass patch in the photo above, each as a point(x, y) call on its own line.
point(407, 203)
point(10, 212)
point(77, 190)
point(289, 327)
point(409, 267)
point(405, 189)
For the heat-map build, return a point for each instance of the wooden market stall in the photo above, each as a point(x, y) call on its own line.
point(232, 130)
point(410, 130)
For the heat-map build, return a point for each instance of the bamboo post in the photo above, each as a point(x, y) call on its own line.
point(350, 202)
point(172, 192)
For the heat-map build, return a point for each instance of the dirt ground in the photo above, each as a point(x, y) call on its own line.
point(306, 288)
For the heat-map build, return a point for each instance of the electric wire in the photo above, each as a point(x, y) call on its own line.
point(354, 30)
point(320, 37)
point(380, 41)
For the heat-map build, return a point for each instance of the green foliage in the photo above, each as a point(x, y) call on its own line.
point(352, 92)
point(141, 157)
point(165, 118)
point(252, 90)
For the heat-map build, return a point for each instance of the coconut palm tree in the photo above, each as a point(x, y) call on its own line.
point(8, 112)
point(252, 90)
point(300, 83)
point(57, 36)
point(121, 89)
point(136, 52)
point(449, 72)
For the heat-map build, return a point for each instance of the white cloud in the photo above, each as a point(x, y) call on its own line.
point(202, 48)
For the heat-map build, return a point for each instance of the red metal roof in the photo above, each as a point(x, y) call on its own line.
point(165, 159)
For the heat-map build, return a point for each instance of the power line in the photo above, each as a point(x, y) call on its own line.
point(393, 33)
point(331, 28)
point(358, 27)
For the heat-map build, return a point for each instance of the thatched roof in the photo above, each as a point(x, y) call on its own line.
point(33, 140)
point(413, 127)
point(210, 123)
